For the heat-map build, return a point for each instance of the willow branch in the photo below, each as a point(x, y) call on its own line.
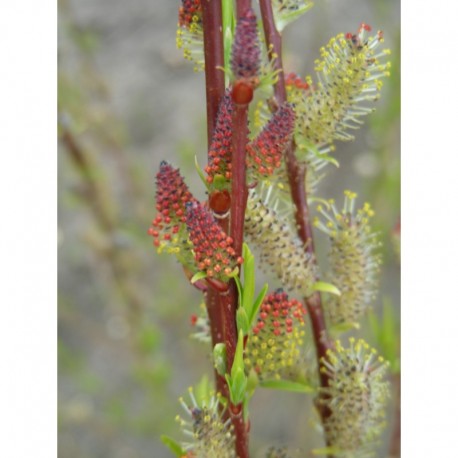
point(296, 176)
point(222, 306)
point(214, 88)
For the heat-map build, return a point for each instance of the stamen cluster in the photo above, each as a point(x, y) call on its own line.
point(274, 346)
point(220, 152)
point(350, 74)
point(212, 247)
point(265, 152)
point(357, 397)
point(168, 228)
point(279, 250)
point(190, 32)
point(189, 12)
point(354, 261)
point(211, 435)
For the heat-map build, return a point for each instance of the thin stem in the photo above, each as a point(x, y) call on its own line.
point(242, 7)
point(214, 87)
point(222, 306)
point(296, 177)
point(239, 188)
point(214, 60)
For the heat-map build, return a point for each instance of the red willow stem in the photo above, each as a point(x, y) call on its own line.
point(242, 7)
point(214, 87)
point(239, 197)
point(222, 306)
point(296, 177)
point(239, 188)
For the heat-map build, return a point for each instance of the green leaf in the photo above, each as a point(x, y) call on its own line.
point(234, 273)
point(220, 358)
point(238, 364)
point(228, 21)
point(198, 276)
point(239, 288)
point(326, 288)
point(286, 385)
point(248, 279)
point(239, 382)
point(257, 303)
point(200, 172)
point(242, 320)
point(173, 445)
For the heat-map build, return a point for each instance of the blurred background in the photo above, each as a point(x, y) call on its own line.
point(127, 100)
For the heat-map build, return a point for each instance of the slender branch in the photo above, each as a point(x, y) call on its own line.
point(214, 87)
point(222, 306)
point(242, 7)
point(239, 188)
point(296, 177)
point(214, 60)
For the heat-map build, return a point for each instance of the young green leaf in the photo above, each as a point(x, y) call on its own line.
point(198, 276)
point(242, 320)
point(219, 358)
point(238, 387)
point(238, 357)
point(200, 172)
point(237, 381)
point(326, 288)
point(228, 30)
point(248, 278)
point(173, 445)
point(257, 303)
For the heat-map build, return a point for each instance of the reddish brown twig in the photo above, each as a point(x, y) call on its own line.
point(214, 86)
point(221, 306)
point(297, 176)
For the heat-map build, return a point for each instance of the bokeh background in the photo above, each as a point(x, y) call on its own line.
point(127, 100)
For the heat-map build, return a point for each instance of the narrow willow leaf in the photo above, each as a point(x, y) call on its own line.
point(173, 445)
point(198, 276)
point(257, 303)
point(228, 30)
point(239, 289)
point(242, 320)
point(200, 172)
point(326, 288)
point(219, 358)
point(286, 385)
point(238, 357)
point(248, 279)
point(239, 384)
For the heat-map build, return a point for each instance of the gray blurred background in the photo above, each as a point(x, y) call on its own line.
point(127, 100)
